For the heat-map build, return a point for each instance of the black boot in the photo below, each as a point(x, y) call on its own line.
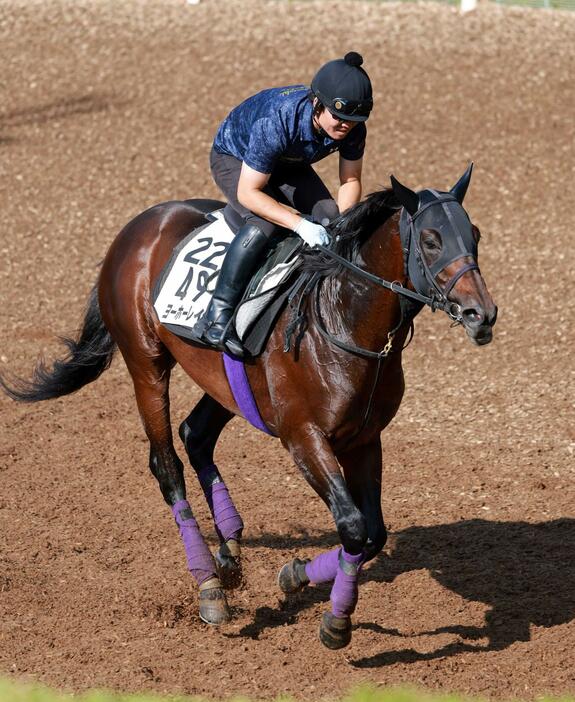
point(240, 261)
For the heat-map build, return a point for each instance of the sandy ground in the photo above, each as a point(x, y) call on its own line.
point(107, 107)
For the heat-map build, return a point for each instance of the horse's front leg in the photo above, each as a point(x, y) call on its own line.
point(362, 469)
point(314, 456)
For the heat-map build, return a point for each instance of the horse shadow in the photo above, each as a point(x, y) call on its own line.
point(48, 112)
point(524, 573)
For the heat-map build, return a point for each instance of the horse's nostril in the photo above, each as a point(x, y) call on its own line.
point(472, 316)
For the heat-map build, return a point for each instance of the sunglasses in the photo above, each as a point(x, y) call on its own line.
point(349, 108)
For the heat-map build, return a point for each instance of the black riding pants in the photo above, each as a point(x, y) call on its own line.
point(297, 185)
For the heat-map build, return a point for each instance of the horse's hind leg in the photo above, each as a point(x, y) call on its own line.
point(151, 377)
point(199, 433)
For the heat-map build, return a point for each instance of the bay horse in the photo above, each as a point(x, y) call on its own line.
point(327, 399)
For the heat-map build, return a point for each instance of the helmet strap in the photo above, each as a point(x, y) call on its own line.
point(318, 108)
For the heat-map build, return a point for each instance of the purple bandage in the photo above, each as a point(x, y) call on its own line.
point(228, 522)
point(200, 560)
point(322, 568)
point(344, 591)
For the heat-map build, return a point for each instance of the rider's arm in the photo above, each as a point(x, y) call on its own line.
point(251, 195)
point(349, 192)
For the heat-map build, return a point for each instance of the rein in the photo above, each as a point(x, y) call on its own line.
point(365, 353)
point(358, 350)
point(450, 308)
point(437, 300)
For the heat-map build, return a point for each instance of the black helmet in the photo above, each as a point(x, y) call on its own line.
point(344, 88)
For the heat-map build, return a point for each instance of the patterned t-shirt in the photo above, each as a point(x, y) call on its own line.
point(276, 125)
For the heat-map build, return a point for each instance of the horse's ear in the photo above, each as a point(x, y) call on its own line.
point(406, 197)
point(460, 188)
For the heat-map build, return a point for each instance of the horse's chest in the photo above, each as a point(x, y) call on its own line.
point(365, 398)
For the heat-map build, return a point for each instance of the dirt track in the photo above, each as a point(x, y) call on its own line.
point(108, 107)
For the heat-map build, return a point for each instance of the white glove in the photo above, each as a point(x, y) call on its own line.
point(312, 233)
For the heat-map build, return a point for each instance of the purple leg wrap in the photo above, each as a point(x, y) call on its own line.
point(228, 522)
point(344, 591)
point(200, 560)
point(323, 568)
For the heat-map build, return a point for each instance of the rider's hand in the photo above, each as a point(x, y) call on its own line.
point(312, 233)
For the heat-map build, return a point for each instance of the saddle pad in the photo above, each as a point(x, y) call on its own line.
point(187, 283)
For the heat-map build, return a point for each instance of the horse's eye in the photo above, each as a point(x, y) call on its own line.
point(431, 240)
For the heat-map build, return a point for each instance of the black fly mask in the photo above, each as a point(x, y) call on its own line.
point(442, 212)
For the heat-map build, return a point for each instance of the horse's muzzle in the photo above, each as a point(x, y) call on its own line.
point(479, 323)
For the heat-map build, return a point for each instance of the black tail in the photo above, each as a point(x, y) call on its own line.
point(87, 359)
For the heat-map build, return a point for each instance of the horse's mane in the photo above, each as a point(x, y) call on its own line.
point(351, 230)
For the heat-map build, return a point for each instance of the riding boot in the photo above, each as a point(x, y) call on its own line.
point(241, 259)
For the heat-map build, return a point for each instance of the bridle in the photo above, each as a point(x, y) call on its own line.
point(458, 244)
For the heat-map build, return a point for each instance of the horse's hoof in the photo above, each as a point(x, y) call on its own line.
point(214, 608)
point(229, 565)
point(292, 577)
point(335, 632)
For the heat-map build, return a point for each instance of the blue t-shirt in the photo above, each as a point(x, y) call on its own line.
point(276, 126)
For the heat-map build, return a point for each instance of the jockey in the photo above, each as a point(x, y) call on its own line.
point(261, 160)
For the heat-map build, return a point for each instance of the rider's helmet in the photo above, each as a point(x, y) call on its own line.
point(344, 88)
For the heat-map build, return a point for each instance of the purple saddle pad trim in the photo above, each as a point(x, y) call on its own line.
point(240, 385)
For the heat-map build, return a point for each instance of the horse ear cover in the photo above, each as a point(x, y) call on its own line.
point(408, 198)
point(460, 188)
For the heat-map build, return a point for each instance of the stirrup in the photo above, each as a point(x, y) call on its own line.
point(220, 331)
point(233, 345)
point(217, 320)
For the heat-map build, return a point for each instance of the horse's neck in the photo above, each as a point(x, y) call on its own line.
point(382, 254)
point(362, 310)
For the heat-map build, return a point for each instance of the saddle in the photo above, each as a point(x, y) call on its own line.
point(185, 286)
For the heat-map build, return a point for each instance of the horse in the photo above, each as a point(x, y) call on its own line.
point(327, 398)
